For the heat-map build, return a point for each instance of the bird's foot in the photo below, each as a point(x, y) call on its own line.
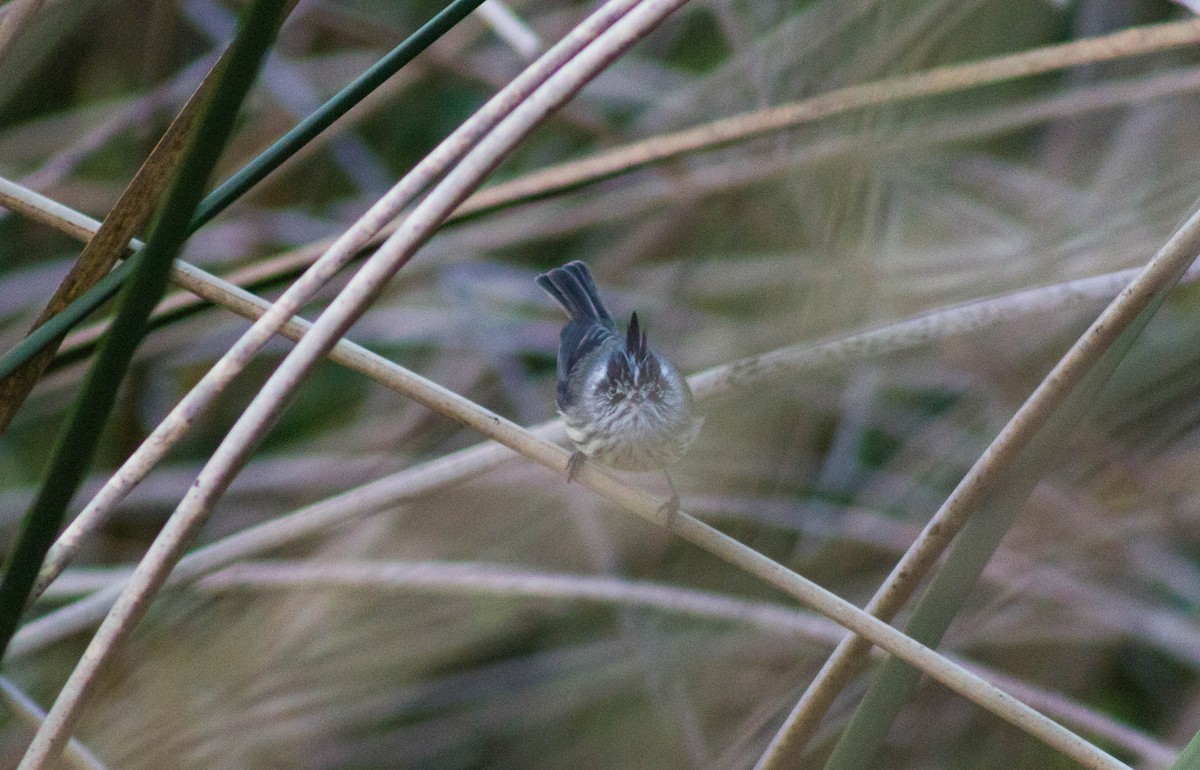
point(670, 509)
point(574, 464)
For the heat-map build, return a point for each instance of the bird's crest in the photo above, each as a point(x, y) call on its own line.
point(635, 342)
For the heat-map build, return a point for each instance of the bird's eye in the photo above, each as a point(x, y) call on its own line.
point(615, 396)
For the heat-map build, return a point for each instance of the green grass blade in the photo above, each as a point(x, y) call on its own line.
point(130, 214)
point(255, 171)
point(78, 439)
point(1189, 758)
point(308, 129)
point(863, 739)
point(62, 321)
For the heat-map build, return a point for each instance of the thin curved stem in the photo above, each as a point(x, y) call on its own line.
point(99, 289)
point(1159, 274)
point(878, 93)
point(486, 580)
point(171, 429)
point(76, 443)
point(821, 355)
point(515, 122)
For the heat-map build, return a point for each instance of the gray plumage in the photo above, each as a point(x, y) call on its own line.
point(624, 405)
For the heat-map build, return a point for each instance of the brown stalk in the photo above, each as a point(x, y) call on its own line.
point(127, 217)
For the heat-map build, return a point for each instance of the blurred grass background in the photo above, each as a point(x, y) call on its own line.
point(844, 224)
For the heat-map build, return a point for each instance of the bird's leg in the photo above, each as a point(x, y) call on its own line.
point(671, 507)
point(574, 464)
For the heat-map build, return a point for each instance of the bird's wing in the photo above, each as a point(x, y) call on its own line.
point(578, 339)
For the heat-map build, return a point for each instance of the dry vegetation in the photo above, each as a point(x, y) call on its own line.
point(492, 615)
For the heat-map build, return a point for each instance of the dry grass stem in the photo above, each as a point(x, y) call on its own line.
point(636, 500)
point(170, 430)
point(774, 176)
point(1159, 274)
point(511, 28)
point(191, 513)
point(421, 223)
point(130, 214)
point(814, 356)
point(76, 755)
point(505, 582)
point(740, 128)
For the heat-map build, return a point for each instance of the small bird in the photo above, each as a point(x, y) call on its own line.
point(624, 405)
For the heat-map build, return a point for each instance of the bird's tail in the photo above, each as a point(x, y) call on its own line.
point(572, 287)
